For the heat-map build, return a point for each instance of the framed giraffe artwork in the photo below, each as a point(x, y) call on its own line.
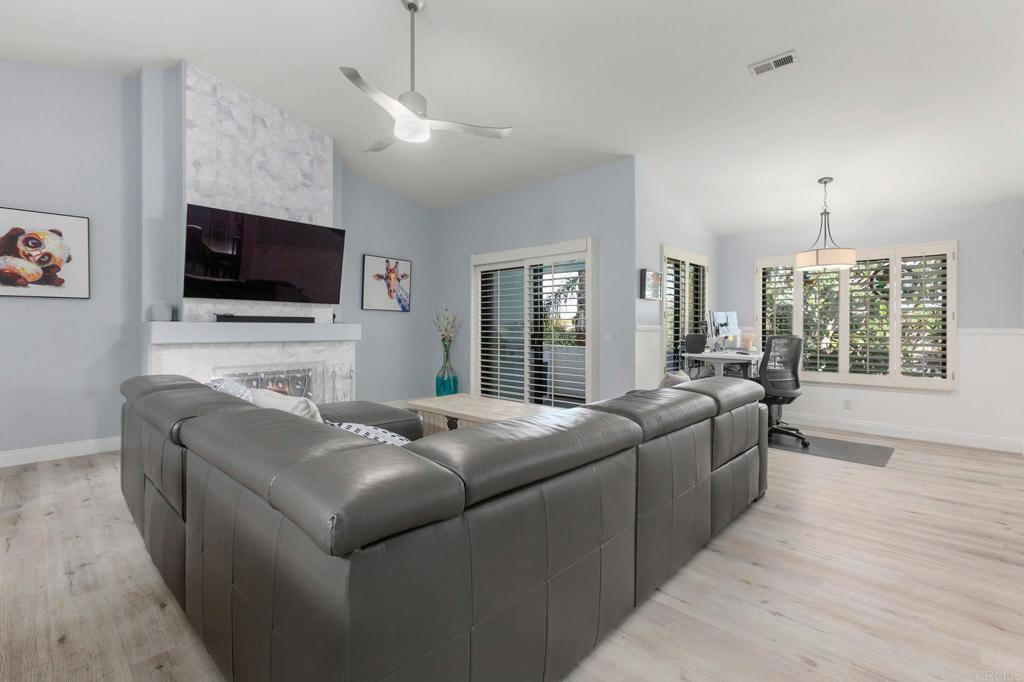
point(387, 283)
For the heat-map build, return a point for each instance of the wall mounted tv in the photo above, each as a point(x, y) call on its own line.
point(249, 257)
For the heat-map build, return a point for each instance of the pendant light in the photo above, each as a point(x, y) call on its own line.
point(825, 254)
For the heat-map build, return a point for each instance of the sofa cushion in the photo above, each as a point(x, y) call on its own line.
point(494, 458)
point(403, 422)
point(660, 410)
point(728, 393)
point(136, 387)
point(340, 490)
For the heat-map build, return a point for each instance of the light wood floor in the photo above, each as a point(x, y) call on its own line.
point(842, 572)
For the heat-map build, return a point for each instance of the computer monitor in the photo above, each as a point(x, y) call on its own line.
point(725, 323)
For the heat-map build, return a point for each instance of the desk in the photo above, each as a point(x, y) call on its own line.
point(720, 359)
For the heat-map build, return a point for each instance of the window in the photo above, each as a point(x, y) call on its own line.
point(530, 324)
point(821, 321)
point(888, 321)
point(869, 317)
point(684, 301)
point(776, 301)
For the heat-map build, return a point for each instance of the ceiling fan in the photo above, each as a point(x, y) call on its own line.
point(409, 111)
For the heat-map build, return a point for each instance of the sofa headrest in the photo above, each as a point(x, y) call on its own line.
point(136, 387)
point(659, 411)
point(494, 458)
point(342, 490)
point(727, 392)
point(165, 410)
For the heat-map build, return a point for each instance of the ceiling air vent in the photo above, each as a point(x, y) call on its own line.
point(777, 62)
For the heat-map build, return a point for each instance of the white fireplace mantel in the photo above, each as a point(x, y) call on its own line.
point(165, 333)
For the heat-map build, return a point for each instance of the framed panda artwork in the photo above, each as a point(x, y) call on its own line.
point(43, 254)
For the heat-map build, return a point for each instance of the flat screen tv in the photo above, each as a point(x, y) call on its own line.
point(249, 257)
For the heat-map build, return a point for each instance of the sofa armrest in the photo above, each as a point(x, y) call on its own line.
point(403, 422)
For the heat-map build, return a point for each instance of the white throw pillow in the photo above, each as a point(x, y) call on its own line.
point(372, 432)
point(304, 407)
point(674, 379)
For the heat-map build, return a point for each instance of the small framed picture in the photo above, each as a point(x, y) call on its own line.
point(43, 254)
point(387, 283)
point(650, 284)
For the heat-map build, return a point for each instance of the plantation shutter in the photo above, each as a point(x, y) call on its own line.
point(675, 312)
point(698, 308)
point(924, 303)
point(776, 301)
point(685, 301)
point(502, 333)
point(869, 317)
point(557, 373)
point(821, 321)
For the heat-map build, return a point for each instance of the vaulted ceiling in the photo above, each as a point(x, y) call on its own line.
point(908, 104)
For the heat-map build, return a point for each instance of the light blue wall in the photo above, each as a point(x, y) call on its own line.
point(989, 275)
point(161, 176)
point(396, 358)
point(597, 202)
point(663, 217)
point(69, 144)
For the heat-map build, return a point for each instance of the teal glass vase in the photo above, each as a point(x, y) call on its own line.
point(447, 381)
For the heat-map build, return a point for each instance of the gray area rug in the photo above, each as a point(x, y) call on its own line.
point(859, 453)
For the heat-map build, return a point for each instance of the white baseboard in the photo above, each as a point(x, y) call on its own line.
point(46, 453)
point(970, 440)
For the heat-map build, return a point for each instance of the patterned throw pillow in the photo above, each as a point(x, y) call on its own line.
point(372, 432)
point(231, 387)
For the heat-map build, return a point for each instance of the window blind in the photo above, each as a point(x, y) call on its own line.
point(924, 303)
point(869, 317)
point(821, 321)
point(776, 301)
point(557, 369)
point(675, 312)
point(502, 333)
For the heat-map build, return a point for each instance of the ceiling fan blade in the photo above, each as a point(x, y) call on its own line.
point(383, 142)
point(469, 128)
point(384, 101)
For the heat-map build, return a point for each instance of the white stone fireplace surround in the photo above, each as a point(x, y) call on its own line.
point(197, 349)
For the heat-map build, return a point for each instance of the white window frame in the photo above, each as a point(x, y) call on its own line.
point(580, 249)
point(894, 379)
point(669, 251)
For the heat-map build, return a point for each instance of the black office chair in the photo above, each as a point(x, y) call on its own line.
point(779, 373)
point(697, 343)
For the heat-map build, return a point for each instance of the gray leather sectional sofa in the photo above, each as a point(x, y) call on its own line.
point(502, 552)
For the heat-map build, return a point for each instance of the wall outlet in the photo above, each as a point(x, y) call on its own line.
point(847, 404)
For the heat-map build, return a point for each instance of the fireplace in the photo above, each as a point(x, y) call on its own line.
point(301, 381)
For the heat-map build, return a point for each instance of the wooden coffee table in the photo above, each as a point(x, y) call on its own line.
point(461, 410)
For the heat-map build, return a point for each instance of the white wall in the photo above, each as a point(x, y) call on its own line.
point(69, 144)
point(597, 202)
point(985, 410)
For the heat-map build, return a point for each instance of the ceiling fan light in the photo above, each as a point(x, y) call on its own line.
point(412, 130)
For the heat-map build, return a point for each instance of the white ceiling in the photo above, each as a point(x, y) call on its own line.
point(908, 103)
